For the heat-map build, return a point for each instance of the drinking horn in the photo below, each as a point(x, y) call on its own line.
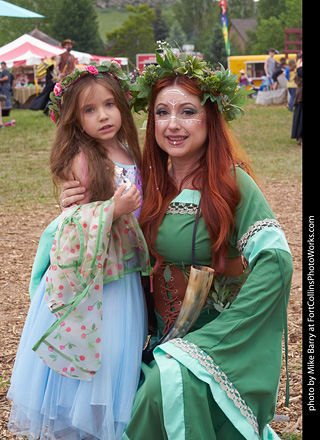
point(198, 287)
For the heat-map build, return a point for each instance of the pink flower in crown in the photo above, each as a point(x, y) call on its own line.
point(53, 118)
point(92, 69)
point(57, 89)
point(116, 62)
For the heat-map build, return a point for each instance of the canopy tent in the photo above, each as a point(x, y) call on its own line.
point(29, 51)
point(10, 10)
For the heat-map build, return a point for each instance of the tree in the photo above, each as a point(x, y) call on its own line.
point(136, 35)
point(271, 25)
point(195, 18)
point(77, 20)
point(176, 36)
point(160, 27)
point(270, 8)
point(270, 35)
point(241, 8)
point(215, 50)
point(74, 19)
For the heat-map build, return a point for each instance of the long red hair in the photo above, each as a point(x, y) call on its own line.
point(213, 177)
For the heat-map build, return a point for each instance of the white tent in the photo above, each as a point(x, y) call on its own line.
point(29, 51)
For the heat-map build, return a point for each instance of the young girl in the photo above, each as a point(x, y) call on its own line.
point(76, 375)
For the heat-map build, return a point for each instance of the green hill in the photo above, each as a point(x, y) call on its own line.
point(110, 19)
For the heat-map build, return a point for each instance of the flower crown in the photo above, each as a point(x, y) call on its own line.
point(219, 86)
point(112, 67)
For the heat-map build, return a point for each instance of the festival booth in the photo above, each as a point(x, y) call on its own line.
point(29, 52)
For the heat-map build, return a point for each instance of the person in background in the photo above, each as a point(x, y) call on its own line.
point(279, 70)
point(5, 83)
point(270, 67)
point(42, 101)
point(243, 79)
point(290, 73)
point(21, 79)
point(297, 121)
point(66, 62)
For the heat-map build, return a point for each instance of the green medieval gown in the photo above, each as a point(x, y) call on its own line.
point(222, 379)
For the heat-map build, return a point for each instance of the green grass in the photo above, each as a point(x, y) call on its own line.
point(110, 19)
point(265, 134)
point(292, 436)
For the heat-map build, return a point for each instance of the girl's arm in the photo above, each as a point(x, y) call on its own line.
point(75, 191)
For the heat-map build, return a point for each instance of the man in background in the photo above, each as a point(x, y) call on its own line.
point(66, 61)
point(5, 83)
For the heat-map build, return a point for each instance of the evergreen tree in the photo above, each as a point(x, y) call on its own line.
point(160, 27)
point(176, 37)
point(136, 35)
point(215, 50)
point(77, 20)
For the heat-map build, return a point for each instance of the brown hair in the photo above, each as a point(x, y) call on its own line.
point(70, 138)
point(292, 64)
point(212, 177)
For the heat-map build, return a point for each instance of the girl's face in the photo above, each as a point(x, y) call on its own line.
point(99, 116)
point(180, 123)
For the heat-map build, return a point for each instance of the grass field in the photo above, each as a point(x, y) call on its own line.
point(110, 19)
point(265, 134)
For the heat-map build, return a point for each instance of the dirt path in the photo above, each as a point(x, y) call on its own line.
point(19, 236)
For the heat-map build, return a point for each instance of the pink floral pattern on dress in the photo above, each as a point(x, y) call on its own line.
point(89, 250)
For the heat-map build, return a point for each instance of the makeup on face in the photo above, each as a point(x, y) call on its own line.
point(180, 122)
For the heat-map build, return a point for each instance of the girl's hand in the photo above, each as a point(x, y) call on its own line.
point(72, 194)
point(126, 203)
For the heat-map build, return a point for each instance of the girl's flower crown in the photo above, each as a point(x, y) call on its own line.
point(112, 67)
point(219, 86)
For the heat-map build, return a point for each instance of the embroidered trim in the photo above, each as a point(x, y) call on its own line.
point(220, 377)
point(266, 223)
point(182, 208)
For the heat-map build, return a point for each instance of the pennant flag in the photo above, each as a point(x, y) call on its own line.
point(224, 24)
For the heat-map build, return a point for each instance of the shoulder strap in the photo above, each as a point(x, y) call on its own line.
point(194, 233)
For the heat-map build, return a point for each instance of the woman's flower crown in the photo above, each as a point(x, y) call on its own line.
point(219, 86)
point(112, 67)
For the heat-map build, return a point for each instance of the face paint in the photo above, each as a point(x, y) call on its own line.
point(168, 109)
point(180, 121)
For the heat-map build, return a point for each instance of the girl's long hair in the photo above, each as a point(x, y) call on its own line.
point(213, 176)
point(70, 139)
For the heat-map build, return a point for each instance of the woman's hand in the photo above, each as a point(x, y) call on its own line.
point(72, 194)
point(126, 203)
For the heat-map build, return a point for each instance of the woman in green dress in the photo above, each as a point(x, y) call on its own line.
point(220, 380)
point(201, 206)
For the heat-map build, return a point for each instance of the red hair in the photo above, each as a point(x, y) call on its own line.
point(212, 177)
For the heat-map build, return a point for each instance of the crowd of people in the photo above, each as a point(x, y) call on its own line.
point(291, 71)
point(113, 272)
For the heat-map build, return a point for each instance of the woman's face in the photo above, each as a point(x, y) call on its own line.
point(180, 123)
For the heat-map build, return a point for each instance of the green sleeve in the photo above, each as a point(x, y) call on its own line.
point(42, 258)
point(245, 341)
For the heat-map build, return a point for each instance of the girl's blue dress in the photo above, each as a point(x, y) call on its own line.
point(46, 405)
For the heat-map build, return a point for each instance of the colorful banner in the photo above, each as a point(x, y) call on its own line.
point(224, 24)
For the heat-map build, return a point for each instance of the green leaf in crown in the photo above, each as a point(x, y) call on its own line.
point(219, 86)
